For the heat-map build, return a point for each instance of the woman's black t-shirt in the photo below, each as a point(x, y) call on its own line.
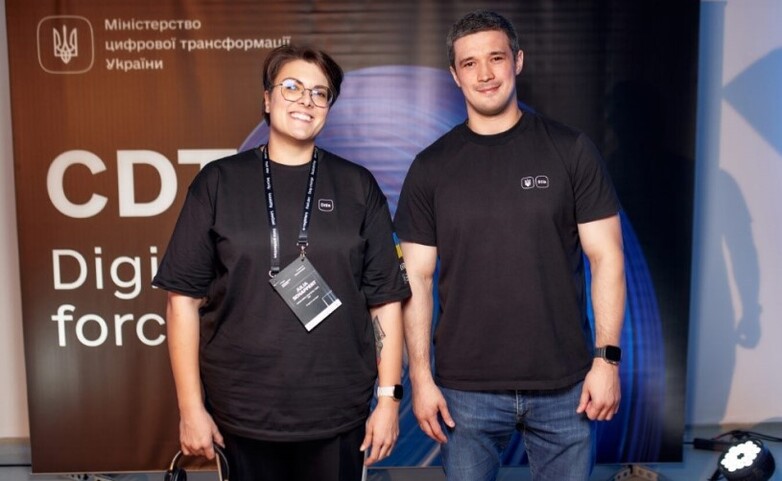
point(265, 376)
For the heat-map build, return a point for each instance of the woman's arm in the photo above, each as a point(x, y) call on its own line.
point(382, 427)
point(197, 430)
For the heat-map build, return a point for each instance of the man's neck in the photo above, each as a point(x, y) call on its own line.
point(493, 124)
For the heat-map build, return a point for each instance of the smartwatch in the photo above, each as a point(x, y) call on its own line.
point(396, 391)
point(611, 354)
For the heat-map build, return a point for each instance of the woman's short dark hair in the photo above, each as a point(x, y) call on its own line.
point(480, 21)
point(280, 56)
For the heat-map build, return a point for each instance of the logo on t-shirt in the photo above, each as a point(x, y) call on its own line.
point(539, 182)
point(325, 205)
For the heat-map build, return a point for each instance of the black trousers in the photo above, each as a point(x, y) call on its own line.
point(333, 459)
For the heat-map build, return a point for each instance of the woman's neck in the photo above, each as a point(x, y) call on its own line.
point(290, 153)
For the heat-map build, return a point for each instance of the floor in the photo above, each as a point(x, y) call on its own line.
point(698, 465)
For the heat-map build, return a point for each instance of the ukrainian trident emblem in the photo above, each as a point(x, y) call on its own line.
point(66, 45)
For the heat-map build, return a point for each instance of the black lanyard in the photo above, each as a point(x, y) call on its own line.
point(271, 209)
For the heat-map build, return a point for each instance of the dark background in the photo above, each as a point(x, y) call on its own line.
point(623, 72)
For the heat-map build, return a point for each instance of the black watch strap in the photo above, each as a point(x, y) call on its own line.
point(611, 354)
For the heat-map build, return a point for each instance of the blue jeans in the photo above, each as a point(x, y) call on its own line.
point(559, 443)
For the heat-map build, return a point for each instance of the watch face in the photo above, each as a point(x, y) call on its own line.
point(398, 392)
point(613, 353)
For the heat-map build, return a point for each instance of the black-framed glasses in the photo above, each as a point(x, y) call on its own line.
point(293, 90)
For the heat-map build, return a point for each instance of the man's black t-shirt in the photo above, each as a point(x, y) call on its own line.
point(503, 211)
point(264, 375)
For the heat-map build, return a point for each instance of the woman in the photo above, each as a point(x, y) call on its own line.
point(287, 393)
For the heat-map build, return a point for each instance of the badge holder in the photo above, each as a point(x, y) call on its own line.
point(305, 292)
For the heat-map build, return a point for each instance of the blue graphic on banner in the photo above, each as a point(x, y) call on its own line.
point(382, 119)
point(763, 112)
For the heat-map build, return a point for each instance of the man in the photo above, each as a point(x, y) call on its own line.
point(509, 201)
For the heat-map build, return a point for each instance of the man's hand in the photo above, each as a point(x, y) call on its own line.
point(428, 403)
point(601, 393)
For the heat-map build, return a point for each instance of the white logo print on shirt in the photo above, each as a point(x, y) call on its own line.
point(539, 181)
point(325, 205)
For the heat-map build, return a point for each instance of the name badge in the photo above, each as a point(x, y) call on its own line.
point(305, 292)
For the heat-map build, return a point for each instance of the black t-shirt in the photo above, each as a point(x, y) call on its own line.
point(503, 211)
point(264, 375)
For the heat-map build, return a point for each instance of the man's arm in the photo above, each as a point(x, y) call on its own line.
point(197, 430)
point(382, 429)
point(602, 244)
point(428, 401)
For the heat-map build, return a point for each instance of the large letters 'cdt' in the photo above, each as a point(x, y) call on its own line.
point(126, 160)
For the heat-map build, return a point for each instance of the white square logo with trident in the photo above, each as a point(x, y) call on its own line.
point(65, 44)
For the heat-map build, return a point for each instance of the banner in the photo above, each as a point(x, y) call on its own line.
point(116, 107)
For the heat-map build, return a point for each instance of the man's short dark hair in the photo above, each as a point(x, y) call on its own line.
point(480, 21)
point(280, 56)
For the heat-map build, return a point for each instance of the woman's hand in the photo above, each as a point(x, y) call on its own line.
point(382, 430)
